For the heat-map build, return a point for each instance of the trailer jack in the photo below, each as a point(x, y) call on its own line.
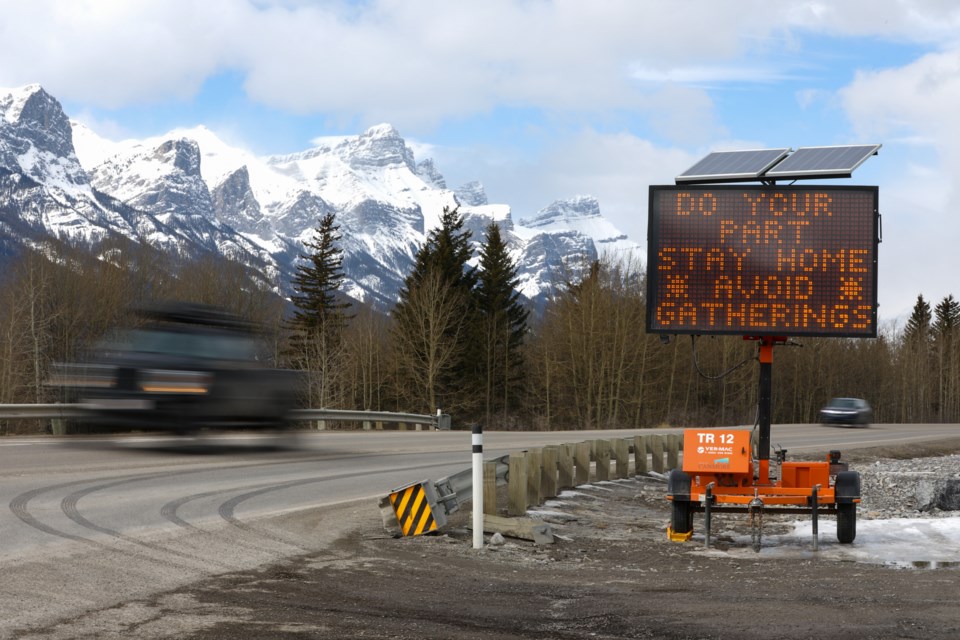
point(756, 522)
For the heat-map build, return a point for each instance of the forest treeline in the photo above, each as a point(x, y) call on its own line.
point(459, 339)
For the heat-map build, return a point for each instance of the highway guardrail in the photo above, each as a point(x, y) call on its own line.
point(64, 411)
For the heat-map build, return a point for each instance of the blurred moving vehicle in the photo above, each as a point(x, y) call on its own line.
point(847, 411)
point(191, 367)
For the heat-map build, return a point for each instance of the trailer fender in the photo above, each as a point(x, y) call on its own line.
point(847, 487)
point(678, 485)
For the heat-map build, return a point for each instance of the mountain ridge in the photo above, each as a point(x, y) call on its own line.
point(190, 191)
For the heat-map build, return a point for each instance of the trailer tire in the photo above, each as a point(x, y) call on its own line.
point(846, 522)
point(681, 516)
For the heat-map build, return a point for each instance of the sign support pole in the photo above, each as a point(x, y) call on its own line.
point(765, 393)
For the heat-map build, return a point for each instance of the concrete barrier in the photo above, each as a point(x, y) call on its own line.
point(539, 474)
point(517, 485)
point(531, 476)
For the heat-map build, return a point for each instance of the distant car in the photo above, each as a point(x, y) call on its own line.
point(847, 411)
point(191, 367)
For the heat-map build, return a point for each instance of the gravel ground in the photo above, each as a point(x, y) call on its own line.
point(611, 574)
point(911, 488)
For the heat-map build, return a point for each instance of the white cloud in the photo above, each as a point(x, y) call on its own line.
point(115, 53)
point(416, 62)
point(925, 21)
point(913, 108)
point(703, 75)
point(616, 168)
point(922, 97)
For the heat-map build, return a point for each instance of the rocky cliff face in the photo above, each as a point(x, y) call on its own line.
point(43, 187)
point(193, 193)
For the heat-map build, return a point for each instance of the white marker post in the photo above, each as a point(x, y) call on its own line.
point(477, 486)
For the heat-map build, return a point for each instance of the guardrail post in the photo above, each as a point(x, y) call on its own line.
point(517, 485)
point(603, 460)
point(477, 451)
point(548, 479)
point(366, 425)
point(490, 488)
point(565, 467)
point(656, 451)
point(640, 454)
point(581, 455)
point(621, 454)
point(534, 462)
point(673, 451)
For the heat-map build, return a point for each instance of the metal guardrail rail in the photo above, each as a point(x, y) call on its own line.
point(66, 411)
point(440, 421)
point(41, 411)
point(458, 488)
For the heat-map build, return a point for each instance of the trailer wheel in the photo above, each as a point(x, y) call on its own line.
point(681, 518)
point(846, 522)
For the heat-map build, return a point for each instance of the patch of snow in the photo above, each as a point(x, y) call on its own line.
point(899, 542)
point(13, 99)
point(91, 148)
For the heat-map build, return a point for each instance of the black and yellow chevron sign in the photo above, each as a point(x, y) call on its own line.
point(413, 510)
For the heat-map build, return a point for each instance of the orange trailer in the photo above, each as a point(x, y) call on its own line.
point(724, 471)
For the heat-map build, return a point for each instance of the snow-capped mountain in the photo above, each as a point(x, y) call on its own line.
point(189, 190)
point(44, 189)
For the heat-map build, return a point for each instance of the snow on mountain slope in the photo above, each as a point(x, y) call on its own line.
point(41, 177)
point(188, 188)
point(582, 214)
point(36, 139)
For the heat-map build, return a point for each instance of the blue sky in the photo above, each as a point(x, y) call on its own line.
point(539, 100)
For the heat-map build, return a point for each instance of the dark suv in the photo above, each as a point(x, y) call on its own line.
point(848, 411)
point(191, 367)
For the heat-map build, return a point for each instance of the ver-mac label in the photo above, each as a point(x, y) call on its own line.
point(716, 451)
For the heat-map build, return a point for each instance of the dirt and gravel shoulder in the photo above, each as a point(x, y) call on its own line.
point(611, 574)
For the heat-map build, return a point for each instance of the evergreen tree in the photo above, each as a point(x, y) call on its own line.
point(317, 281)
point(946, 317)
point(319, 315)
point(434, 320)
point(503, 322)
point(918, 387)
point(917, 330)
point(446, 252)
point(946, 326)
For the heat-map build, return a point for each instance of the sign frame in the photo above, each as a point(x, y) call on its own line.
point(656, 282)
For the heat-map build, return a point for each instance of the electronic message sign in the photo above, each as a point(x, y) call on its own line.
point(763, 260)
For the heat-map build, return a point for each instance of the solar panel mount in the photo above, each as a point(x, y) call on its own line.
point(769, 165)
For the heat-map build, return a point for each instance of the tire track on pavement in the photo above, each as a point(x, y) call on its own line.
point(20, 505)
point(228, 509)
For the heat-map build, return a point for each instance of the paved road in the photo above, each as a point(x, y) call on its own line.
point(98, 522)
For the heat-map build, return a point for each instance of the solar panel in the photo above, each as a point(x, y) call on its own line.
point(822, 162)
point(733, 166)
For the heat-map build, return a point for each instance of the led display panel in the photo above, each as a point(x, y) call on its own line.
point(763, 260)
